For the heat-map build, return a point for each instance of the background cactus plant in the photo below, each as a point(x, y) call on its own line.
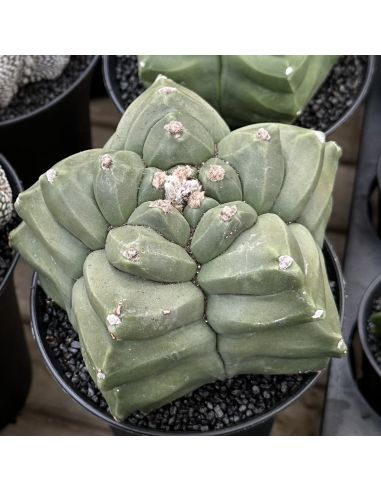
point(6, 199)
point(184, 253)
point(245, 89)
point(18, 70)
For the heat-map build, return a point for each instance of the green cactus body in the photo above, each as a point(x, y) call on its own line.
point(245, 89)
point(194, 266)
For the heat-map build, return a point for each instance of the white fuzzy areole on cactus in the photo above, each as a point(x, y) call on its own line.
point(228, 212)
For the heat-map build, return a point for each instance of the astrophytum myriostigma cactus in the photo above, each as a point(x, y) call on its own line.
point(6, 199)
point(18, 70)
point(245, 89)
point(184, 253)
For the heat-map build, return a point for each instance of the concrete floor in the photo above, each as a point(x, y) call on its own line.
point(49, 411)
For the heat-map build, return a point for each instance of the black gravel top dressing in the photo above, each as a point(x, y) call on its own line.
point(211, 407)
point(374, 341)
point(37, 94)
point(6, 252)
point(335, 97)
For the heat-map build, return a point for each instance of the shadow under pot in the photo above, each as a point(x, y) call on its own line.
point(14, 357)
point(369, 328)
point(48, 120)
point(243, 405)
point(334, 103)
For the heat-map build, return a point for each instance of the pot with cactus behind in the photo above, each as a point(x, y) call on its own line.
point(14, 357)
point(318, 92)
point(44, 103)
point(187, 257)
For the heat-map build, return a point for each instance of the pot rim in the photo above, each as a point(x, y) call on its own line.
point(108, 81)
point(362, 321)
point(17, 188)
point(132, 429)
point(57, 99)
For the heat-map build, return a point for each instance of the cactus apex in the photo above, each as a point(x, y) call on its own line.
point(175, 129)
point(196, 198)
point(228, 212)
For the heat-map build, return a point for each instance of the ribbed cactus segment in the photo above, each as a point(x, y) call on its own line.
point(145, 357)
point(164, 218)
point(133, 308)
point(245, 89)
point(145, 253)
point(194, 214)
point(220, 181)
point(116, 185)
point(218, 229)
point(151, 186)
point(262, 246)
point(184, 253)
point(164, 97)
point(6, 199)
point(257, 155)
point(68, 191)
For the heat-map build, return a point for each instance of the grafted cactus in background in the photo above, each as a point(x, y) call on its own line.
point(245, 89)
point(184, 253)
point(6, 200)
point(18, 70)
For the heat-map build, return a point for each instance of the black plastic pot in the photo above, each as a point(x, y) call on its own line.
point(39, 139)
point(258, 425)
point(349, 406)
point(370, 382)
point(109, 63)
point(14, 357)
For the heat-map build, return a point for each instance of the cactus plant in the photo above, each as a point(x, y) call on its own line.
point(184, 253)
point(6, 199)
point(245, 89)
point(18, 70)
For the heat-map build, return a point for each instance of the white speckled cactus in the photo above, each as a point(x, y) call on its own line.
point(6, 200)
point(18, 70)
point(185, 253)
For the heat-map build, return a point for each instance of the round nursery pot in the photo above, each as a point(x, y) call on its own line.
point(39, 138)
point(371, 345)
point(335, 102)
point(247, 403)
point(14, 357)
